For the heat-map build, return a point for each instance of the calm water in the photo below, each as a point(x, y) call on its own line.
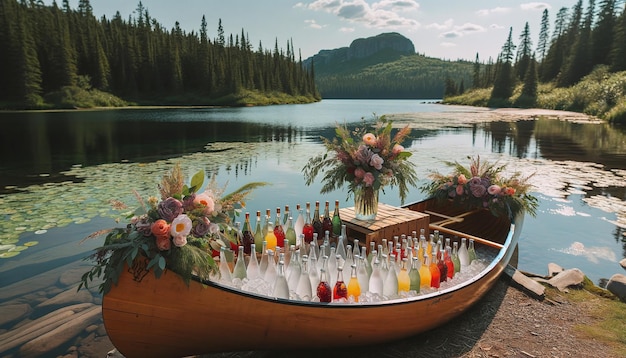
point(59, 171)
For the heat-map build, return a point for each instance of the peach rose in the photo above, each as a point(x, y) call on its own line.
point(160, 228)
point(359, 173)
point(180, 240)
point(462, 179)
point(205, 200)
point(369, 139)
point(397, 149)
point(163, 243)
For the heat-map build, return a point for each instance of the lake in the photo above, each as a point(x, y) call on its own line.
point(61, 172)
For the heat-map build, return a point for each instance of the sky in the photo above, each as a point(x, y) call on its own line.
point(446, 29)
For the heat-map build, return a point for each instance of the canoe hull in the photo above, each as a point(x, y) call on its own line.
point(165, 317)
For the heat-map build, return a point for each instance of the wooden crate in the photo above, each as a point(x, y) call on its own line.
point(390, 221)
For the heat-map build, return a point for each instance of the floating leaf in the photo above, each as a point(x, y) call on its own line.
point(42, 231)
point(31, 243)
point(6, 247)
point(18, 248)
point(6, 255)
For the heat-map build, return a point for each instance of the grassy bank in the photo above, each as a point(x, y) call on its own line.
point(74, 97)
point(601, 94)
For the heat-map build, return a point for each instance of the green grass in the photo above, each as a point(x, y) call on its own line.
point(601, 94)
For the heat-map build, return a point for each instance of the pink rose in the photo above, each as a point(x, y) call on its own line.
point(397, 149)
point(368, 179)
point(180, 240)
point(461, 179)
point(205, 200)
point(359, 173)
point(459, 189)
point(369, 139)
point(494, 189)
point(377, 161)
point(163, 243)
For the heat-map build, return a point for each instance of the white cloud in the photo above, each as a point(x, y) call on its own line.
point(447, 44)
point(495, 10)
point(465, 29)
point(384, 14)
point(496, 26)
point(535, 6)
point(347, 29)
point(446, 25)
point(313, 24)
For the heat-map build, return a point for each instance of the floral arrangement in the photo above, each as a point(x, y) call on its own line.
point(368, 157)
point(178, 232)
point(482, 186)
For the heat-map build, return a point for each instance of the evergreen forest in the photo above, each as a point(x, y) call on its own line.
point(578, 64)
point(62, 57)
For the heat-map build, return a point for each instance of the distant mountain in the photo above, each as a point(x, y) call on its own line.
point(384, 66)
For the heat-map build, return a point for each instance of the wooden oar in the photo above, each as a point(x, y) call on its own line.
point(449, 219)
point(462, 234)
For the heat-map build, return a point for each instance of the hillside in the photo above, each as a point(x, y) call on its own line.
point(383, 66)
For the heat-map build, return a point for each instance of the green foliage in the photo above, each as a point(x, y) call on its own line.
point(389, 75)
point(77, 97)
point(45, 49)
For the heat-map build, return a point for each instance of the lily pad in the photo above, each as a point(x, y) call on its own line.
point(18, 248)
point(6, 255)
point(42, 231)
point(6, 247)
point(31, 243)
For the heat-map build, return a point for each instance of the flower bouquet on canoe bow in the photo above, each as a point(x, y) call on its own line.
point(179, 232)
point(482, 185)
point(367, 159)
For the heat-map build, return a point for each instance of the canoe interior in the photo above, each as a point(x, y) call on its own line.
point(166, 318)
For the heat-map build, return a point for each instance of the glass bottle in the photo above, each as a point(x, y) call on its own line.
point(247, 236)
point(435, 275)
point(279, 231)
point(258, 233)
point(324, 292)
point(270, 237)
point(296, 270)
point(356, 249)
point(471, 251)
point(361, 274)
point(299, 223)
point(290, 233)
point(303, 288)
point(447, 259)
point(390, 286)
point(354, 288)
point(253, 271)
point(327, 241)
point(441, 265)
point(336, 220)
point(349, 259)
point(333, 265)
point(268, 218)
point(314, 276)
point(376, 280)
point(340, 290)
point(424, 271)
point(317, 221)
point(370, 257)
point(264, 259)
point(365, 263)
point(271, 270)
point(404, 281)
point(281, 289)
point(225, 274)
point(429, 246)
point(327, 221)
point(414, 275)
point(341, 247)
point(463, 254)
point(307, 228)
point(455, 257)
point(286, 215)
point(240, 265)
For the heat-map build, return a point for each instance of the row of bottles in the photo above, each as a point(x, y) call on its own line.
point(283, 230)
point(316, 272)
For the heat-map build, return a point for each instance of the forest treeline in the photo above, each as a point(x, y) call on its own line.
point(584, 43)
point(52, 54)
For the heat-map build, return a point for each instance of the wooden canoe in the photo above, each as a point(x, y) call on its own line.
point(165, 317)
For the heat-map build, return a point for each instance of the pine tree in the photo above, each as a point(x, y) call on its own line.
point(476, 75)
point(602, 35)
point(542, 45)
point(551, 64)
point(618, 51)
point(578, 63)
point(450, 88)
point(504, 82)
point(529, 89)
point(523, 53)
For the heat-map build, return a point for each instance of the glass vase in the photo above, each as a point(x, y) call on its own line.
point(365, 203)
